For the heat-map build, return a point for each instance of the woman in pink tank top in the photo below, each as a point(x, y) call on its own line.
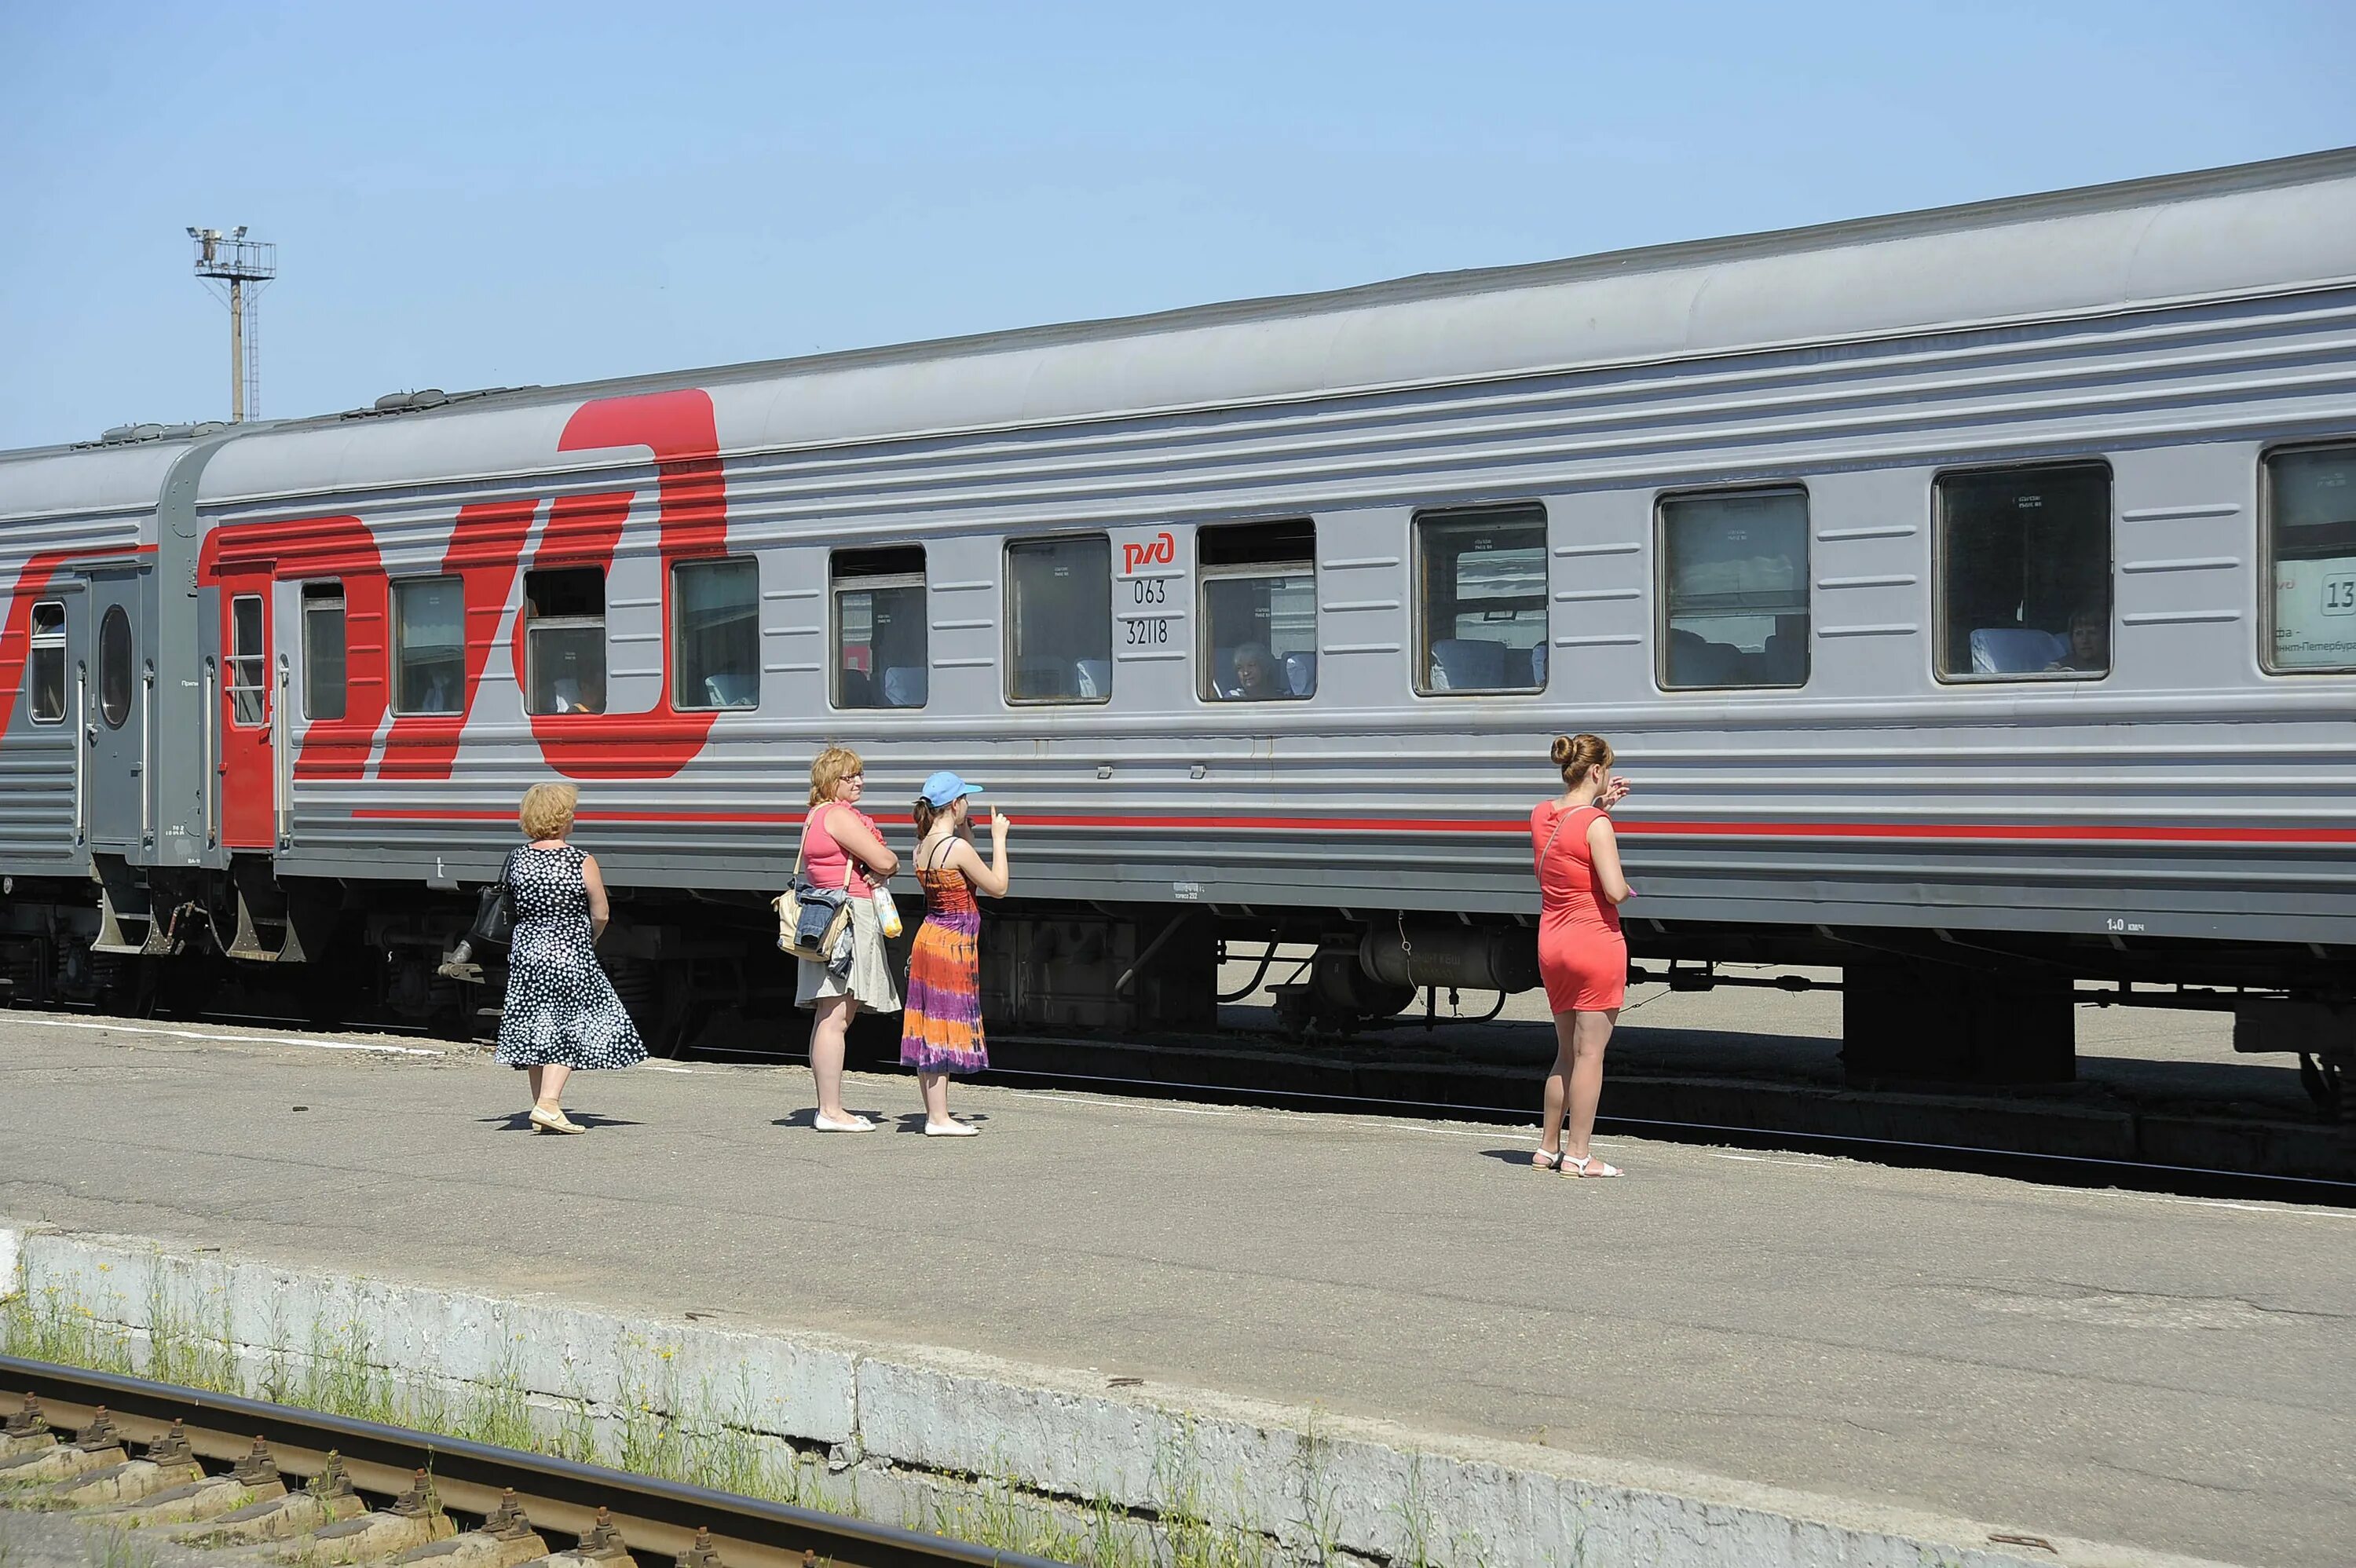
point(842, 848)
point(1581, 955)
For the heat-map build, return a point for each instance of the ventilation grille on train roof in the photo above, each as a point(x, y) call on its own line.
point(422, 399)
point(132, 434)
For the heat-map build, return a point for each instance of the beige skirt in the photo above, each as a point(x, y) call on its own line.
point(869, 981)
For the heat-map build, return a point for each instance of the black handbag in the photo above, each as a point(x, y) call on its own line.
point(494, 916)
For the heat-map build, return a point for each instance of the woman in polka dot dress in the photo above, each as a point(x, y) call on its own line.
point(561, 1014)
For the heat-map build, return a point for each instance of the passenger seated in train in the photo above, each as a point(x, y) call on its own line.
point(579, 693)
point(1784, 661)
point(2089, 646)
point(1256, 676)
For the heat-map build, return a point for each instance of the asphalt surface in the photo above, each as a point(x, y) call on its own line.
point(2174, 1373)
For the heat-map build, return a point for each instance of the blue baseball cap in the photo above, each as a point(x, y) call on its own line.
point(943, 787)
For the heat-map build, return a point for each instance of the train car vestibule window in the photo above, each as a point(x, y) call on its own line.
point(564, 640)
point(248, 663)
point(429, 646)
point(1734, 589)
point(1257, 584)
point(716, 607)
point(2025, 573)
point(2311, 550)
point(45, 664)
point(115, 654)
point(322, 650)
point(882, 651)
point(1481, 589)
point(1059, 620)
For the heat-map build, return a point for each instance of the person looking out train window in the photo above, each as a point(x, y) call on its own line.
point(2090, 650)
point(1257, 679)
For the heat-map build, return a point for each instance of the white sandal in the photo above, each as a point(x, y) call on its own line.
point(1578, 1164)
point(952, 1128)
point(855, 1124)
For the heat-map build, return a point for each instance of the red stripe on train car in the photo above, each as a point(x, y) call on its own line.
point(1977, 832)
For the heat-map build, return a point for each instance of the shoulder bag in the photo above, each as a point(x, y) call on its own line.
point(788, 905)
point(494, 913)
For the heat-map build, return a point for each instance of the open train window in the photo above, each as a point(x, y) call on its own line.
point(429, 646)
point(564, 640)
point(1734, 589)
point(880, 650)
point(2311, 559)
point(2025, 573)
point(1059, 620)
point(248, 663)
point(1481, 579)
point(715, 608)
point(1258, 585)
point(115, 653)
point(45, 664)
point(322, 650)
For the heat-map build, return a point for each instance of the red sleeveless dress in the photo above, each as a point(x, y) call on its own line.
point(1582, 956)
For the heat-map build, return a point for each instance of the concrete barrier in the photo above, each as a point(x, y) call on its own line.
point(905, 1429)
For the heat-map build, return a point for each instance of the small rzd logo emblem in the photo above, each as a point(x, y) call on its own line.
point(1159, 551)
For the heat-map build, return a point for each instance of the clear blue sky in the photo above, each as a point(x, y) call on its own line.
point(487, 193)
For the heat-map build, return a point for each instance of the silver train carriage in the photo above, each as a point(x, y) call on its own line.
point(1971, 594)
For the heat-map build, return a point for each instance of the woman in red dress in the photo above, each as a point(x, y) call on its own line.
point(1581, 955)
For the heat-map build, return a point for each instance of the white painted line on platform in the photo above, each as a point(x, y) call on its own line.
point(231, 1038)
point(1135, 1105)
point(659, 1067)
point(2287, 1210)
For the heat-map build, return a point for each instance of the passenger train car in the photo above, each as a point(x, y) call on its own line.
point(1971, 595)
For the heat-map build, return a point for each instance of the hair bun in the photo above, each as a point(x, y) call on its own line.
point(1577, 754)
point(1563, 748)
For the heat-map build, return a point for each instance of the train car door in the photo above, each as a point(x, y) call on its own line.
point(119, 713)
point(247, 764)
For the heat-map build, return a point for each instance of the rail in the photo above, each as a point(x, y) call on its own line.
point(558, 1495)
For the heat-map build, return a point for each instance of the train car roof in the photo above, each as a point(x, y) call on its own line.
point(89, 481)
point(2278, 226)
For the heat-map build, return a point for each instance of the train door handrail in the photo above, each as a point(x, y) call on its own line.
point(85, 737)
point(206, 780)
point(281, 789)
point(148, 752)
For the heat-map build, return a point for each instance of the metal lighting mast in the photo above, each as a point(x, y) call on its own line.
point(236, 270)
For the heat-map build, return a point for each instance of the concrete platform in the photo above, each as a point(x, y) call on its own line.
point(2175, 1375)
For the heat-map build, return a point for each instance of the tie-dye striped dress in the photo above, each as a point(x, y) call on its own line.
point(941, 1027)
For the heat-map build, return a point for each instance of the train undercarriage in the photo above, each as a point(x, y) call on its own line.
point(1919, 1005)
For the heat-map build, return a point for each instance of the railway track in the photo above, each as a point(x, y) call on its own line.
point(242, 1476)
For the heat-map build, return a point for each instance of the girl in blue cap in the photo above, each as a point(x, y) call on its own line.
point(942, 1032)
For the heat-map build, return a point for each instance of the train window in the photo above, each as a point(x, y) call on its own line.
point(881, 656)
point(248, 663)
point(45, 664)
point(564, 640)
point(1481, 590)
point(1734, 589)
point(1059, 620)
point(2025, 573)
point(2311, 557)
point(1259, 591)
point(114, 657)
point(429, 645)
point(322, 650)
point(716, 634)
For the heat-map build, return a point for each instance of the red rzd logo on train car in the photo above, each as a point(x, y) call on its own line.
point(1159, 551)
